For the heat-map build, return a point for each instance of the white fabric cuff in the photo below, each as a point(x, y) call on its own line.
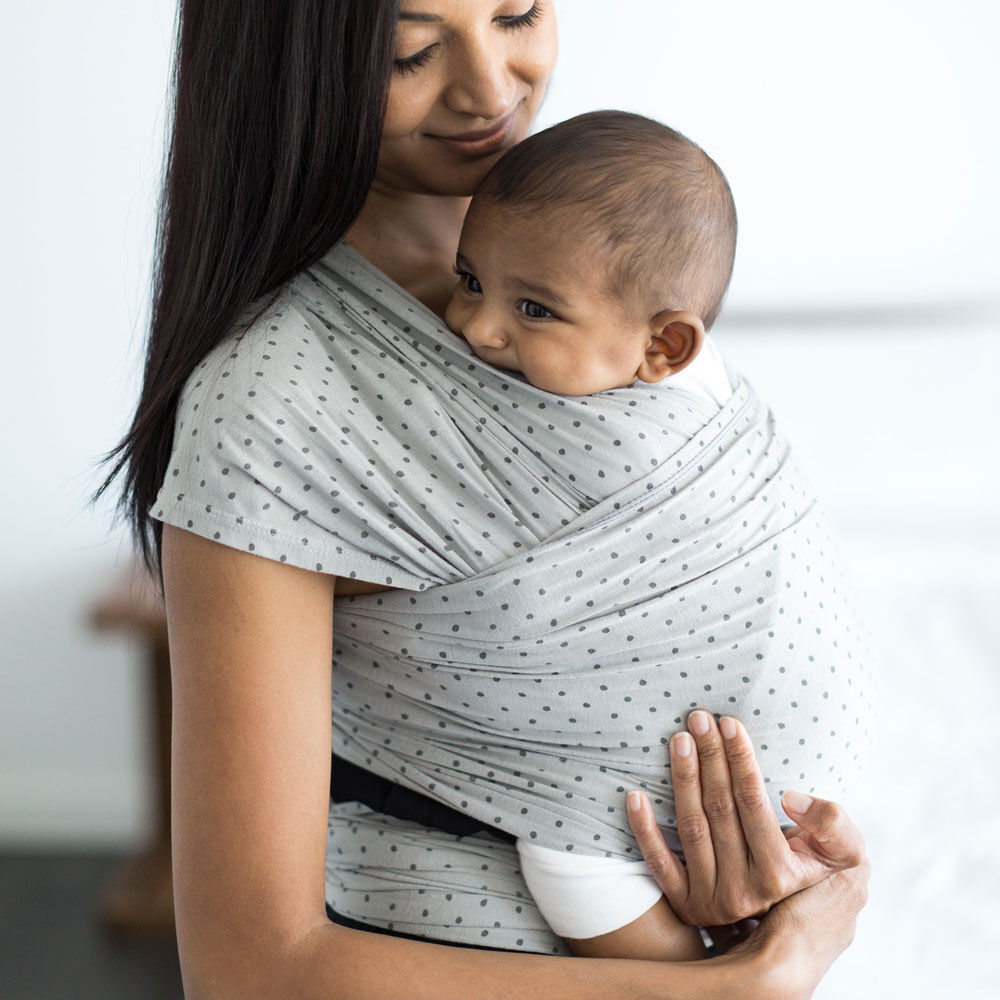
point(581, 896)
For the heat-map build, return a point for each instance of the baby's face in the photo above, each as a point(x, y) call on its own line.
point(531, 298)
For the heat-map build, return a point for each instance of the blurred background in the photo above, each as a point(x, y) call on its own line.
point(862, 144)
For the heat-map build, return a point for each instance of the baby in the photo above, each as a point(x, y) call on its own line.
point(596, 255)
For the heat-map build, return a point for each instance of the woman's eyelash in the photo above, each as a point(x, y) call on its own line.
point(526, 20)
point(412, 63)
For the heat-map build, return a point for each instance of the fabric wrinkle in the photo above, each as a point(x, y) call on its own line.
point(572, 574)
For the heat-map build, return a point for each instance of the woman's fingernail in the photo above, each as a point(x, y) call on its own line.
point(797, 802)
point(727, 727)
point(634, 801)
point(682, 745)
point(698, 723)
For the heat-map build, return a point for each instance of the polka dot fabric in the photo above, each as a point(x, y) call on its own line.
point(349, 432)
point(533, 694)
point(575, 574)
point(431, 884)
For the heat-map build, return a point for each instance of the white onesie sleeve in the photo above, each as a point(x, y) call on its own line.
point(582, 897)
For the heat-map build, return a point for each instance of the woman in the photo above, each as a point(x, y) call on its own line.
point(297, 126)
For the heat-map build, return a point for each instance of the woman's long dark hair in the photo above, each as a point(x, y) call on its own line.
point(278, 110)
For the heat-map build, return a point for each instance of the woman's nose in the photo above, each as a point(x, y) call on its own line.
point(482, 329)
point(483, 85)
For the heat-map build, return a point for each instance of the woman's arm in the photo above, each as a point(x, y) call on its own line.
point(251, 650)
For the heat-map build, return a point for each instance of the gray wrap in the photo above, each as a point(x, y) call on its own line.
point(575, 574)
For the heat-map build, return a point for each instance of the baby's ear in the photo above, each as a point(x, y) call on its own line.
point(675, 338)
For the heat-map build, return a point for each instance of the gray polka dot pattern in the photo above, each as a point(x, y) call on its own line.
point(429, 883)
point(576, 574)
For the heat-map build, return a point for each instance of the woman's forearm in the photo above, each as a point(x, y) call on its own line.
point(251, 648)
point(337, 963)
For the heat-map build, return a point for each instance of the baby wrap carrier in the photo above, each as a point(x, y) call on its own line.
point(575, 574)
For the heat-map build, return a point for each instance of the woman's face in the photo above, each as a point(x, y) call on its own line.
point(468, 80)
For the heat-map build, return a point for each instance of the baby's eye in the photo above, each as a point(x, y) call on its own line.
point(533, 310)
point(470, 282)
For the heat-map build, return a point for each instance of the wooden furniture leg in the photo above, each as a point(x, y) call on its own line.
point(139, 898)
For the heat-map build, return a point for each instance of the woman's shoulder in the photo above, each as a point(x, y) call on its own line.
point(277, 352)
point(265, 338)
point(240, 359)
point(273, 441)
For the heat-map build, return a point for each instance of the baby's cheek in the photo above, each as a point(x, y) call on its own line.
point(455, 314)
point(549, 371)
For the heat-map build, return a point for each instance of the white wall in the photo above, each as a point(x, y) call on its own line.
point(82, 93)
point(860, 138)
point(862, 145)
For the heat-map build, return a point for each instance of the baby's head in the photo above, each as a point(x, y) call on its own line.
point(595, 254)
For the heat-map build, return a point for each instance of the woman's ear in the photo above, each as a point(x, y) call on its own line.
point(675, 338)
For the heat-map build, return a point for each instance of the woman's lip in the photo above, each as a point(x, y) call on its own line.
point(481, 142)
point(483, 133)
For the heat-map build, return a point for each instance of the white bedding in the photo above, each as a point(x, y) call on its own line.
point(909, 470)
point(929, 802)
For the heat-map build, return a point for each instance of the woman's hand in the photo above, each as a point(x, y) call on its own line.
point(801, 936)
point(738, 862)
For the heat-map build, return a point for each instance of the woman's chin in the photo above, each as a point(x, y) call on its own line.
point(448, 178)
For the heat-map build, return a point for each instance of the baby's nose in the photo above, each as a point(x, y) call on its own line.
point(482, 329)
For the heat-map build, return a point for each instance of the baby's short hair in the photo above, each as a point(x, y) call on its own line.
point(656, 201)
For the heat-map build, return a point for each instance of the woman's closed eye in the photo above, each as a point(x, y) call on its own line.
point(526, 20)
point(508, 22)
point(411, 64)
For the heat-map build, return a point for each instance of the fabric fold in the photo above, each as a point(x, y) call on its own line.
point(574, 575)
point(530, 695)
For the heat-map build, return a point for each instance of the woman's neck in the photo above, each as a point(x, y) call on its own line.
point(412, 238)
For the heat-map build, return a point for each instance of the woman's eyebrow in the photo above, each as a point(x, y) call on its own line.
point(411, 16)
